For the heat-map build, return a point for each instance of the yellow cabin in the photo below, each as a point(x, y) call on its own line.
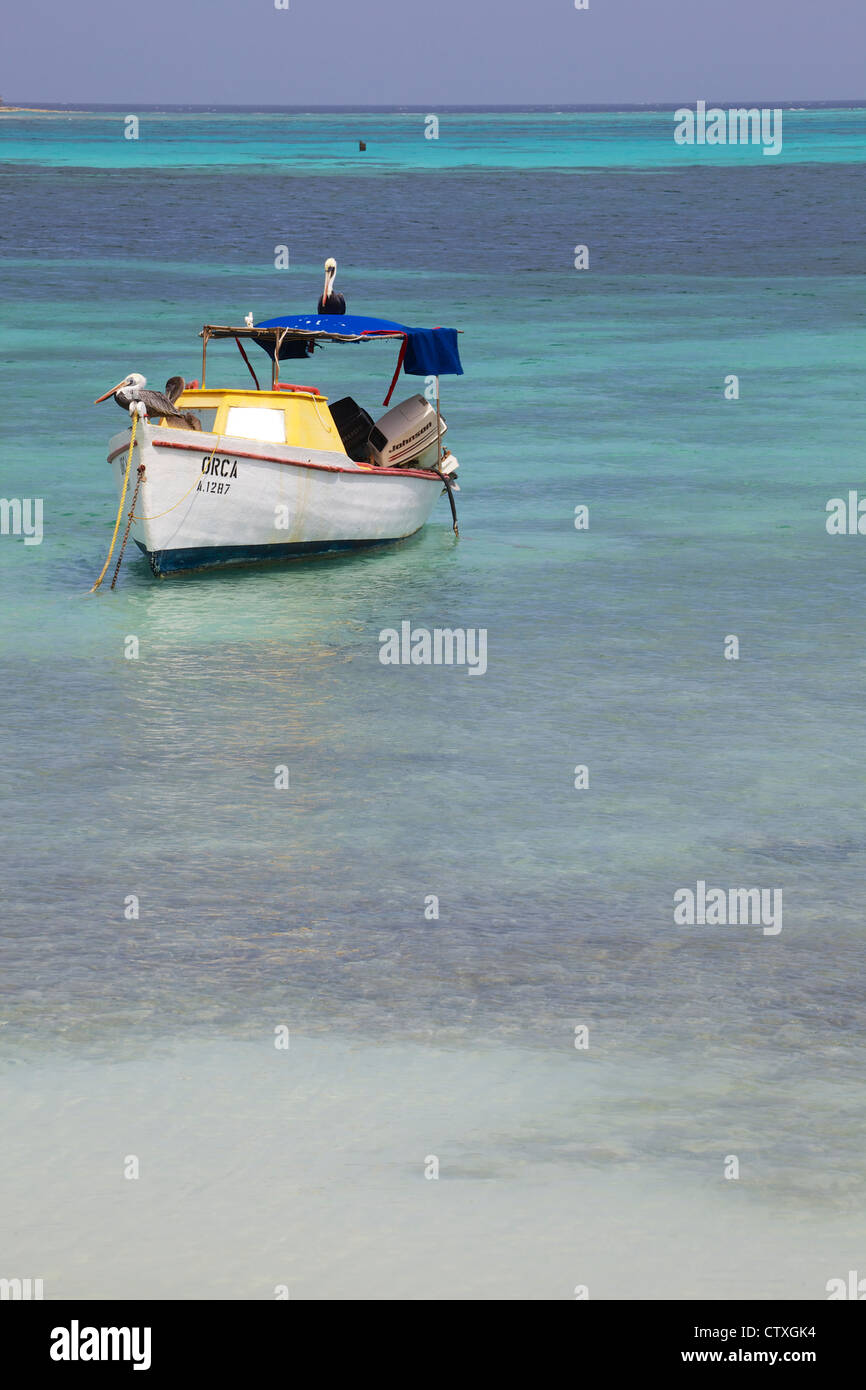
point(294, 417)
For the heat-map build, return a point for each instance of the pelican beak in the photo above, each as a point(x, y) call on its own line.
point(111, 392)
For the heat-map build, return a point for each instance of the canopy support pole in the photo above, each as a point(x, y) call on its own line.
point(204, 337)
point(275, 375)
point(438, 429)
point(439, 457)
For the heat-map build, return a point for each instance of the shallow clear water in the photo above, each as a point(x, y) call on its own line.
point(305, 908)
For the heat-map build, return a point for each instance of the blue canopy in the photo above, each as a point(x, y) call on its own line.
point(428, 351)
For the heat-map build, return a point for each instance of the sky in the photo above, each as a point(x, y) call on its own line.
point(424, 52)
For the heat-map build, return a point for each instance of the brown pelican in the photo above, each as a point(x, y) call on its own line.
point(330, 302)
point(130, 394)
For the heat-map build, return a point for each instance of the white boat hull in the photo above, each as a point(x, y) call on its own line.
point(205, 501)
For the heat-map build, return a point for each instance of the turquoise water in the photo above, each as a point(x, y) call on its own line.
point(321, 142)
point(305, 908)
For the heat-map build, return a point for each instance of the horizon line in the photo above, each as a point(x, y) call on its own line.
point(657, 104)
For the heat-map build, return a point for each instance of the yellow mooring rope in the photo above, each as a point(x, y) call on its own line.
point(120, 507)
point(204, 469)
point(132, 516)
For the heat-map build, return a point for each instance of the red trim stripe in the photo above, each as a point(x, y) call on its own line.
point(297, 463)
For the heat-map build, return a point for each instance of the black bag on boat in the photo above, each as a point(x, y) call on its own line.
point(354, 426)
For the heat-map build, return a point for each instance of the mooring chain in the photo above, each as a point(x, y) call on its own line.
point(128, 525)
point(120, 505)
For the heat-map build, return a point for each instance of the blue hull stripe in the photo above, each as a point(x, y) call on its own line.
point(211, 556)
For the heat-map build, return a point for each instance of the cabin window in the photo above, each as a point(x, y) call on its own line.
point(207, 415)
point(257, 422)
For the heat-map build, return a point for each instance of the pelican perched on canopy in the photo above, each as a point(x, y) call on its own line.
point(130, 394)
point(331, 302)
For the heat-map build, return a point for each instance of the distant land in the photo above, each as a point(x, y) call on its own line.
point(34, 110)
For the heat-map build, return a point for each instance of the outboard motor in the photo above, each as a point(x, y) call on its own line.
point(406, 436)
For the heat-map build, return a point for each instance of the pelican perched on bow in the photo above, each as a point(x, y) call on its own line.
point(331, 302)
point(130, 394)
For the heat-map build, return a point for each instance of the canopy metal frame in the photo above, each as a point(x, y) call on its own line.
point(275, 337)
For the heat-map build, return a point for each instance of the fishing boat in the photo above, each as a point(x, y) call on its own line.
point(227, 475)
